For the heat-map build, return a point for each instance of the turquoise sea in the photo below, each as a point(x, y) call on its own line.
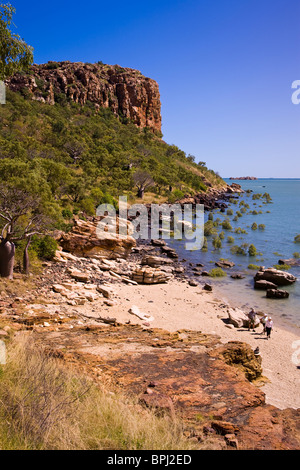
point(281, 218)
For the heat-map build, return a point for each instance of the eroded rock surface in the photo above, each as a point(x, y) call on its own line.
point(186, 372)
point(125, 91)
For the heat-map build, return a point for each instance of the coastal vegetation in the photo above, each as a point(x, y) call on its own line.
point(217, 272)
point(67, 159)
point(47, 406)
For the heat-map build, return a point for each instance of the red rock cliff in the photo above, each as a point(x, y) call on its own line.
point(125, 91)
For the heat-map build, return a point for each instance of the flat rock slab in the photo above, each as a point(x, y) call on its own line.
point(186, 372)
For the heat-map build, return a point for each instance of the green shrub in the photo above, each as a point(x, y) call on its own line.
point(230, 239)
point(67, 214)
point(45, 247)
point(282, 267)
point(209, 228)
point(239, 250)
point(296, 255)
point(297, 239)
point(253, 266)
point(217, 272)
point(217, 243)
point(252, 250)
point(226, 225)
point(254, 226)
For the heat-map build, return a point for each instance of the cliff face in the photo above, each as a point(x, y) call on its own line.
point(125, 91)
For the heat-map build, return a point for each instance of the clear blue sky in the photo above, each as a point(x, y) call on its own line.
point(224, 67)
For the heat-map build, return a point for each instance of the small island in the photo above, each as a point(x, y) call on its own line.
point(244, 178)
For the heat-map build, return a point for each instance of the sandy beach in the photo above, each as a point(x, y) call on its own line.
point(177, 305)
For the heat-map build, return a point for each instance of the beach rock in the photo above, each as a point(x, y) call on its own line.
point(225, 264)
point(277, 294)
point(207, 287)
point(239, 319)
point(158, 242)
point(169, 251)
point(237, 276)
point(189, 378)
point(264, 285)
point(155, 261)
point(148, 275)
point(290, 262)
point(79, 276)
point(276, 276)
point(106, 291)
point(242, 356)
point(193, 283)
point(85, 240)
point(134, 310)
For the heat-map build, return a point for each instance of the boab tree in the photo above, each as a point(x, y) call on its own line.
point(142, 181)
point(22, 215)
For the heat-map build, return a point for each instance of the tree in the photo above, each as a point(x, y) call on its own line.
point(142, 181)
point(15, 54)
point(23, 216)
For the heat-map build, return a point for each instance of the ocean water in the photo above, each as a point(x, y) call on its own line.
point(281, 218)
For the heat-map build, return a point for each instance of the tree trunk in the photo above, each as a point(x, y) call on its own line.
point(141, 192)
point(7, 259)
point(26, 257)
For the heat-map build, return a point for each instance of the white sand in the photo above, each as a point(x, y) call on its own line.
point(177, 305)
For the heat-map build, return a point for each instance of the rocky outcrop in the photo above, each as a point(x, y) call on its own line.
point(147, 275)
point(264, 285)
point(186, 373)
point(85, 240)
point(125, 91)
point(290, 262)
point(239, 319)
point(277, 277)
point(277, 294)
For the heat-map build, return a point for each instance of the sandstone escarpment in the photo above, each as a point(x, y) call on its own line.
point(125, 91)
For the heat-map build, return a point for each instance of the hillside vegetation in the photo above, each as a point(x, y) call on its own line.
point(77, 158)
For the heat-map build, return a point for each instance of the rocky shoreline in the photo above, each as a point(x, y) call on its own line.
point(138, 319)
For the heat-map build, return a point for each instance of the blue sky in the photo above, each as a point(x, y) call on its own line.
point(224, 68)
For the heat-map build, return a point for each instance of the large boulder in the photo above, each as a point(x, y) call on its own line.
point(264, 285)
point(240, 319)
point(277, 277)
point(85, 239)
point(147, 275)
point(290, 262)
point(155, 261)
point(277, 294)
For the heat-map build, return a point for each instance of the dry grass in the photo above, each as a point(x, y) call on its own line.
point(44, 405)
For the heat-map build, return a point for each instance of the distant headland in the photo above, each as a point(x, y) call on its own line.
point(244, 178)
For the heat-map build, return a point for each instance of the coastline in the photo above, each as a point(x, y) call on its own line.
point(179, 306)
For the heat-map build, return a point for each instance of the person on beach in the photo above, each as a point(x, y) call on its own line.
point(269, 326)
point(252, 318)
point(263, 320)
